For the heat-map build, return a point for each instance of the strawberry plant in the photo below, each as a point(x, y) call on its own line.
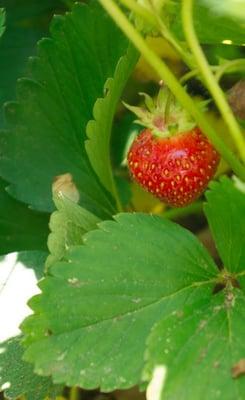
point(125, 236)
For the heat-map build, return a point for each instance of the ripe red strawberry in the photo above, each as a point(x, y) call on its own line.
point(173, 160)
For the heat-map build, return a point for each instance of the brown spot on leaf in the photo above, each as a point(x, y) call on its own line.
point(48, 332)
point(238, 369)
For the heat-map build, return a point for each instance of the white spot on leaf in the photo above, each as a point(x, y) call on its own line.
point(138, 300)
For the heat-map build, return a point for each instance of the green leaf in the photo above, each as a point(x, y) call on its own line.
point(33, 260)
point(20, 227)
point(99, 130)
point(26, 10)
point(68, 225)
point(201, 349)
point(26, 22)
point(55, 103)
point(109, 293)
point(18, 378)
point(220, 27)
point(231, 8)
point(2, 21)
point(225, 211)
point(124, 132)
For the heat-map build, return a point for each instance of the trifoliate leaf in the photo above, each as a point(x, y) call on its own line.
point(225, 211)
point(96, 309)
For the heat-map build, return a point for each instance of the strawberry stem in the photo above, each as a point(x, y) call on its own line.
point(166, 75)
point(209, 78)
point(167, 108)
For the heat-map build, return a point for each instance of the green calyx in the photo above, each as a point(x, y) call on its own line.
point(163, 115)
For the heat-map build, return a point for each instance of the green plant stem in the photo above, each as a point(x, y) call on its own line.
point(140, 11)
point(220, 70)
point(208, 77)
point(164, 73)
point(175, 213)
point(233, 66)
point(240, 273)
point(155, 20)
point(166, 33)
point(167, 107)
point(193, 73)
point(74, 393)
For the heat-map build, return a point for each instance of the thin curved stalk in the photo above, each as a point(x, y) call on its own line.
point(220, 70)
point(154, 19)
point(233, 65)
point(209, 79)
point(193, 73)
